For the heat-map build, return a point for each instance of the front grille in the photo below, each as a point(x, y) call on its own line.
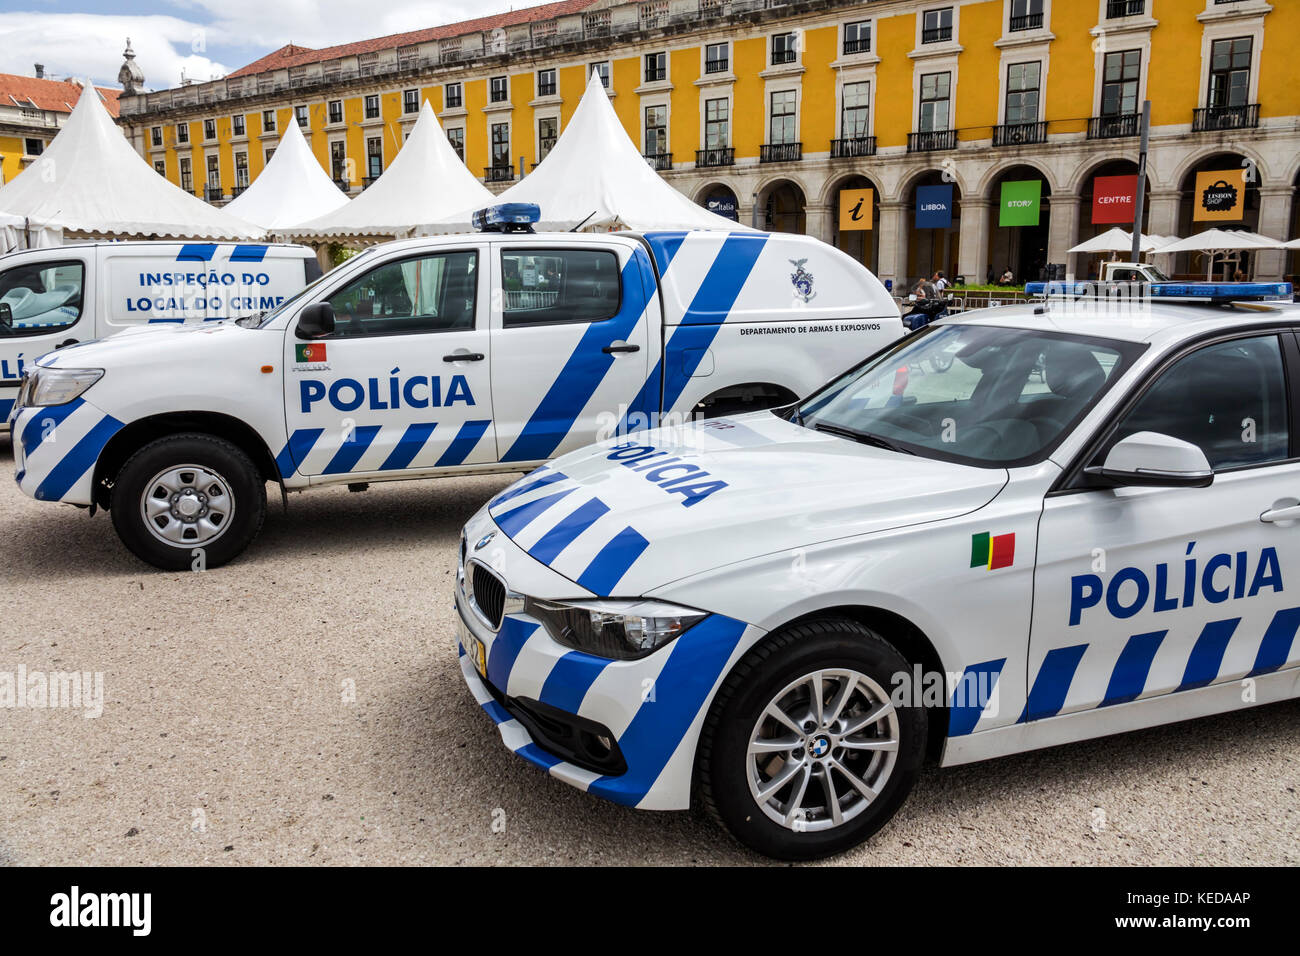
point(489, 594)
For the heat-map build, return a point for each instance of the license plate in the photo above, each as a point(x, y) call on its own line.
point(474, 648)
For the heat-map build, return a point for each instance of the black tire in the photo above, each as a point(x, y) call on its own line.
point(246, 488)
point(722, 767)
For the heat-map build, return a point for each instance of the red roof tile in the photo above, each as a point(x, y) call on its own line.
point(292, 55)
point(58, 96)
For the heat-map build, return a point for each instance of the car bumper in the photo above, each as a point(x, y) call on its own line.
point(56, 448)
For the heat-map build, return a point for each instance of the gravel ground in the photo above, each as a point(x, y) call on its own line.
point(226, 736)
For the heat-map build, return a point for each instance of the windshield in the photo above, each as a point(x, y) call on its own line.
point(978, 394)
point(1157, 274)
point(267, 317)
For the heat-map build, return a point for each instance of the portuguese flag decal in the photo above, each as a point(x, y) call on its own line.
point(311, 352)
point(991, 551)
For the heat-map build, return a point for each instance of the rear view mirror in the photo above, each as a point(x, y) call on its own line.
point(316, 321)
point(1152, 459)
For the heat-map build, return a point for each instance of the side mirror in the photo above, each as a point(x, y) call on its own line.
point(1152, 459)
point(6, 315)
point(316, 321)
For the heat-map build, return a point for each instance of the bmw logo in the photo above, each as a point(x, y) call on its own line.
point(484, 541)
point(819, 747)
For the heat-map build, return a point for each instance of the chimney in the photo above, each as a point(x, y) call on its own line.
point(40, 71)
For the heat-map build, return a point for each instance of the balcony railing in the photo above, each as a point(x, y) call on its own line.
point(1125, 8)
point(936, 35)
point(931, 140)
point(367, 182)
point(498, 174)
point(860, 45)
point(1028, 21)
point(780, 152)
point(1213, 118)
point(659, 161)
point(212, 193)
point(782, 56)
point(1114, 126)
point(716, 66)
point(854, 146)
point(1020, 134)
point(716, 156)
point(237, 191)
point(343, 184)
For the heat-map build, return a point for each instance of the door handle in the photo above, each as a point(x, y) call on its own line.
point(1281, 514)
point(609, 349)
point(464, 357)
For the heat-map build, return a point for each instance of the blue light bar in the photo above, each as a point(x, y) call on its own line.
point(507, 217)
point(1185, 291)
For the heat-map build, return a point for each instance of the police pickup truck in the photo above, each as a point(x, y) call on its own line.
point(1028, 526)
point(487, 352)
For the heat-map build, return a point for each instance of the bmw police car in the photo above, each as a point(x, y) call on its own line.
point(1024, 527)
point(449, 355)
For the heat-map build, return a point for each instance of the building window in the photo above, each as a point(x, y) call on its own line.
point(717, 114)
point(160, 167)
point(410, 101)
point(374, 157)
point(372, 106)
point(336, 111)
point(1229, 73)
point(338, 161)
point(782, 127)
point(237, 124)
point(548, 131)
point(457, 139)
point(546, 82)
point(214, 172)
point(501, 146)
point(936, 25)
point(656, 130)
point(155, 136)
point(1025, 15)
point(268, 121)
point(602, 70)
point(241, 170)
point(1119, 89)
point(182, 132)
point(784, 47)
point(500, 89)
point(936, 91)
point(1022, 92)
point(270, 152)
point(452, 95)
point(857, 37)
point(300, 114)
point(855, 111)
point(656, 67)
point(716, 58)
point(187, 175)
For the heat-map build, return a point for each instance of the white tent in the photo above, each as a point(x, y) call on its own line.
point(18, 233)
point(90, 181)
point(595, 176)
point(425, 182)
point(291, 189)
point(1293, 244)
point(1217, 242)
point(1117, 240)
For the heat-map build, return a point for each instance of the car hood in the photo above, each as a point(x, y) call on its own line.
point(632, 514)
point(150, 343)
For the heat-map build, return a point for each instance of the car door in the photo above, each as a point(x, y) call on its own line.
point(402, 384)
point(1144, 591)
point(570, 343)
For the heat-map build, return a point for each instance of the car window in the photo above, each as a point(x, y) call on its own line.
point(41, 297)
point(1227, 399)
point(431, 293)
point(559, 285)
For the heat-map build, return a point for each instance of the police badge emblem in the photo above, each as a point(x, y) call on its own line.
point(802, 280)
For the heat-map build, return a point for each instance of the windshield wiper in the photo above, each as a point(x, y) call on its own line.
point(865, 438)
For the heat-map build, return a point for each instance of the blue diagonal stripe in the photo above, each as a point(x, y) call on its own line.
point(537, 479)
point(196, 252)
point(296, 449)
point(78, 461)
point(612, 562)
point(570, 678)
point(515, 520)
point(1207, 653)
point(664, 245)
point(463, 443)
point(1132, 667)
point(43, 421)
point(561, 536)
point(1275, 648)
point(1052, 682)
point(6, 406)
point(408, 446)
point(248, 253)
point(350, 452)
point(536, 755)
point(968, 704)
point(505, 648)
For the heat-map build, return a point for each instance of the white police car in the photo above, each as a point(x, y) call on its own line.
point(450, 355)
point(1023, 527)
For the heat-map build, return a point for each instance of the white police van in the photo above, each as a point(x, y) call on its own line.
point(54, 297)
point(1027, 526)
point(487, 352)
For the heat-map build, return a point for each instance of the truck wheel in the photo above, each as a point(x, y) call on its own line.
point(802, 754)
point(188, 501)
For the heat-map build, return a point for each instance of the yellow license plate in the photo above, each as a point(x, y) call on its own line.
point(474, 648)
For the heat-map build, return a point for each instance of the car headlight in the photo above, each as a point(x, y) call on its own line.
point(622, 630)
point(56, 386)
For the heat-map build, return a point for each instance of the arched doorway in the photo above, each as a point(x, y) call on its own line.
point(933, 215)
point(1245, 215)
point(721, 200)
point(862, 244)
point(1020, 220)
point(1104, 181)
point(782, 208)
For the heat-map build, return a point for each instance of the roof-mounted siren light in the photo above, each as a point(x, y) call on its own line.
point(507, 217)
point(1171, 291)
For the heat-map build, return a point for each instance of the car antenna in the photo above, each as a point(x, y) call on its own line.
point(583, 223)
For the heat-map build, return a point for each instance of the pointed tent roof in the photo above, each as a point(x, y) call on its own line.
point(424, 183)
point(595, 173)
point(90, 180)
point(1116, 239)
point(291, 189)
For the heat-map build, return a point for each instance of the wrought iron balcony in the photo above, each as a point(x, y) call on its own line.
point(1020, 134)
point(716, 156)
point(931, 140)
point(853, 146)
point(236, 191)
point(936, 35)
point(1213, 118)
point(343, 184)
point(1125, 8)
point(780, 152)
point(659, 161)
point(212, 193)
point(1028, 21)
point(367, 181)
point(499, 174)
point(1114, 126)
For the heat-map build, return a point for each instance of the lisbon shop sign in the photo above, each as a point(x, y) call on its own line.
point(1220, 194)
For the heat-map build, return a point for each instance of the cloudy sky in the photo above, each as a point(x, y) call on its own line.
point(205, 38)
